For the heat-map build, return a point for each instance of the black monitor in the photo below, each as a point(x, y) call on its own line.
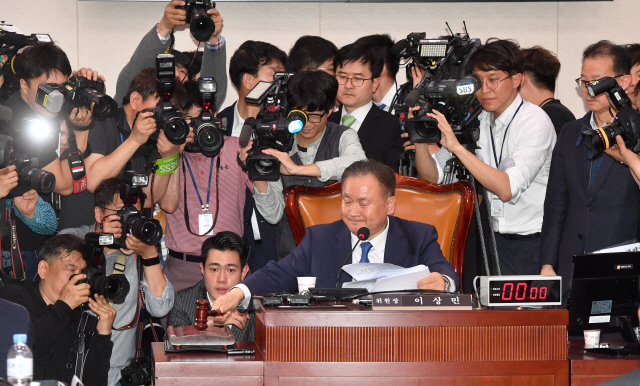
point(605, 296)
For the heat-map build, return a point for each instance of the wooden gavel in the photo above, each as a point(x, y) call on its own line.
point(202, 312)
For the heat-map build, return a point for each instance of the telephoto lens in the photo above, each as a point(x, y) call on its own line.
point(100, 105)
point(31, 177)
point(113, 287)
point(148, 230)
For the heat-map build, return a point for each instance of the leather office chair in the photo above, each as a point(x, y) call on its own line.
point(447, 207)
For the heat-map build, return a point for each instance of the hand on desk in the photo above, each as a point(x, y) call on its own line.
point(229, 301)
point(230, 317)
point(434, 281)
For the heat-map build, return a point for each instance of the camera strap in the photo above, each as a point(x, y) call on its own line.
point(504, 138)
point(118, 268)
point(16, 257)
point(186, 210)
point(205, 207)
point(79, 350)
point(78, 171)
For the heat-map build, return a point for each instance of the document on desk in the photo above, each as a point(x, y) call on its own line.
point(376, 277)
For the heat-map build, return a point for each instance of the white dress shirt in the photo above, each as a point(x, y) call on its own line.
point(526, 158)
point(387, 100)
point(359, 114)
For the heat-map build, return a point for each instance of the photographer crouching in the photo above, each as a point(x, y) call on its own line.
point(121, 217)
point(68, 340)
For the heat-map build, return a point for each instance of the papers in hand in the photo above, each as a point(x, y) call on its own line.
point(376, 277)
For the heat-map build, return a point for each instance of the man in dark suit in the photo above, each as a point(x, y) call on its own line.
point(591, 203)
point(224, 265)
point(368, 200)
point(253, 62)
point(358, 70)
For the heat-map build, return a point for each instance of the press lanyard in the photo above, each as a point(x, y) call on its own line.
point(205, 209)
point(493, 145)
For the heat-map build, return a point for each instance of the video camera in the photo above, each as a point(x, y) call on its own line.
point(167, 116)
point(444, 87)
point(200, 23)
point(113, 287)
point(626, 123)
point(29, 175)
point(133, 221)
point(272, 129)
point(76, 92)
point(208, 130)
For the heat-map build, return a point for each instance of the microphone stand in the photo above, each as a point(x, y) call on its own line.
point(345, 262)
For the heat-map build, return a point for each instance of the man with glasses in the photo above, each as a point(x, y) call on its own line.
point(591, 203)
point(358, 69)
point(321, 151)
point(253, 62)
point(513, 156)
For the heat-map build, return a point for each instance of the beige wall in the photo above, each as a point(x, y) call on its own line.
point(103, 34)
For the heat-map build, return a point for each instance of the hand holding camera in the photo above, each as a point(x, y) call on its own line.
point(105, 313)
point(111, 224)
point(74, 293)
point(134, 245)
point(165, 147)
point(173, 17)
point(8, 180)
point(81, 116)
point(144, 127)
point(26, 203)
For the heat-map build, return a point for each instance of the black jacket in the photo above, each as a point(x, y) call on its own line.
point(379, 136)
point(576, 221)
point(54, 330)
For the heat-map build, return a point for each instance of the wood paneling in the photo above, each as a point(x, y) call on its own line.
point(589, 369)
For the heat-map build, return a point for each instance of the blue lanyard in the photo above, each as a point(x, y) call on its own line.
point(493, 145)
point(204, 208)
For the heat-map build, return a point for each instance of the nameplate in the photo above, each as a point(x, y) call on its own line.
point(401, 302)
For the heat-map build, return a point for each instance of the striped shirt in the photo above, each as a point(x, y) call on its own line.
point(233, 184)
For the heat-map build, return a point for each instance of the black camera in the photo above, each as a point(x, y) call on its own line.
point(626, 123)
point(113, 287)
point(133, 221)
point(139, 372)
point(200, 23)
point(272, 129)
point(29, 175)
point(208, 130)
point(456, 100)
point(167, 116)
point(76, 92)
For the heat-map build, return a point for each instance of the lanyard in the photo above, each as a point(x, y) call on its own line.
point(493, 145)
point(204, 208)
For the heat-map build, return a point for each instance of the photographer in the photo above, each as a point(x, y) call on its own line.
point(215, 187)
point(158, 291)
point(59, 324)
point(513, 156)
point(160, 40)
point(115, 146)
point(632, 92)
point(253, 62)
point(321, 151)
point(590, 203)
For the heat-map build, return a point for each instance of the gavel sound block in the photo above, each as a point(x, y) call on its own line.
point(200, 334)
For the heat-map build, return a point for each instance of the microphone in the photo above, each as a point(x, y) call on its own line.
point(14, 39)
point(245, 134)
point(412, 97)
point(363, 234)
point(400, 46)
point(5, 113)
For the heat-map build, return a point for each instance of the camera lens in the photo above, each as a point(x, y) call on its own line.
point(149, 231)
point(113, 287)
point(209, 140)
point(35, 178)
point(427, 129)
point(100, 105)
point(265, 167)
point(201, 26)
point(176, 130)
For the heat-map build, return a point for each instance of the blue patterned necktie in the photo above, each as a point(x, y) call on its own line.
point(366, 247)
point(382, 106)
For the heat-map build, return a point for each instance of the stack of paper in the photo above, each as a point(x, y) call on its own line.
point(377, 277)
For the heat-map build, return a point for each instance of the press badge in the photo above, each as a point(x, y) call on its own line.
point(497, 206)
point(205, 221)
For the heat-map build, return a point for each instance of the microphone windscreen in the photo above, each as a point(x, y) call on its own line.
point(412, 98)
point(399, 47)
point(5, 113)
point(363, 233)
point(245, 135)
point(14, 39)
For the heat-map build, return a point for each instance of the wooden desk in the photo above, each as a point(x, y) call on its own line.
point(478, 347)
point(589, 369)
point(206, 369)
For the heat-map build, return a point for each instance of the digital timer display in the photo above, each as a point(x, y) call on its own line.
point(521, 290)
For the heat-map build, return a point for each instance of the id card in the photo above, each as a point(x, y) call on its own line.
point(205, 222)
point(497, 206)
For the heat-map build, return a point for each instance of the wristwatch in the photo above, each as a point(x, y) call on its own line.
point(447, 283)
point(151, 262)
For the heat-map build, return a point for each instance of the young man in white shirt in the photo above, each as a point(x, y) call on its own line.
point(513, 159)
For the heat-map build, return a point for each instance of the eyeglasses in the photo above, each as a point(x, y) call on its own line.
point(493, 84)
point(105, 208)
point(314, 117)
point(355, 81)
point(582, 83)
